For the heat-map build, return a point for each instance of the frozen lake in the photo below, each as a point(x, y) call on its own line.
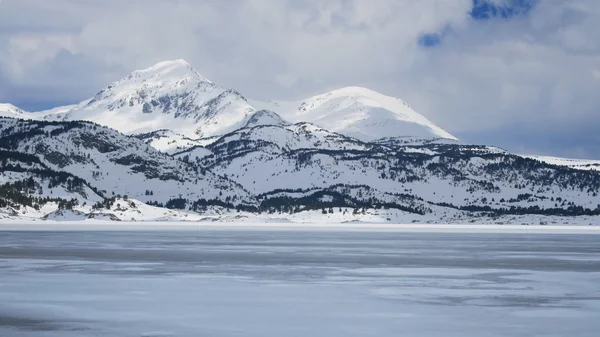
point(298, 283)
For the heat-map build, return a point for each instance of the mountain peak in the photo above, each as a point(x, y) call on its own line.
point(181, 62)
point(7, 107)
point(163, 78)
point(167, 65)
point(264, 117)
point(358, 92)
point(168, 95)
point(361, 113)
point(173, 69)
point(354, 89)
point(9, 110)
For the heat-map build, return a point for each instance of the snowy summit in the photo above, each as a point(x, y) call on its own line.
point(172, 95)
point(361, 113)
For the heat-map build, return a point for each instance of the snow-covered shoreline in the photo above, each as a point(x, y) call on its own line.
point(96, 225)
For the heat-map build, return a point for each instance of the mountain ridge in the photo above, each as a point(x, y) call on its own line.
point(275, 169)
point(173, 95)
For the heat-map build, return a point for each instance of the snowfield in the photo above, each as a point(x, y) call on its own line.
point(580, 164)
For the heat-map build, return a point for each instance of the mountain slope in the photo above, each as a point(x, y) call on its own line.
point(360, 113)
point(272, 139)
point(169, 142)
point(29, 187)
point(114, 163)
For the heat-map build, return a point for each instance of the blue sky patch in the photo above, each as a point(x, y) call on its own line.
point(483, 10)
point(430, 39)
point(486, 9)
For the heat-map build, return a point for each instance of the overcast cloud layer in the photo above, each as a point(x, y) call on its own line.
point(524, 75)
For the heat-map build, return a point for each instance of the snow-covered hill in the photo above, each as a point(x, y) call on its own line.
point(360, 113)
point(264, 117)
point(115, 164)
point(340, 171)
point(580, 164)
point(286, 169)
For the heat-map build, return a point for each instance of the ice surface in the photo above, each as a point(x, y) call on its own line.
point(303, 282)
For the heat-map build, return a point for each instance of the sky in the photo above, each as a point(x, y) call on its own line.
point(523, 75)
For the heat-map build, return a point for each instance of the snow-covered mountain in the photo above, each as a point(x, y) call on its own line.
point(47, 166)
point(360, 113)
point(166, 143)
point(113, 163)
point(172, 96)
point(9, 110)
point(302, 164)
point(169, 95)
